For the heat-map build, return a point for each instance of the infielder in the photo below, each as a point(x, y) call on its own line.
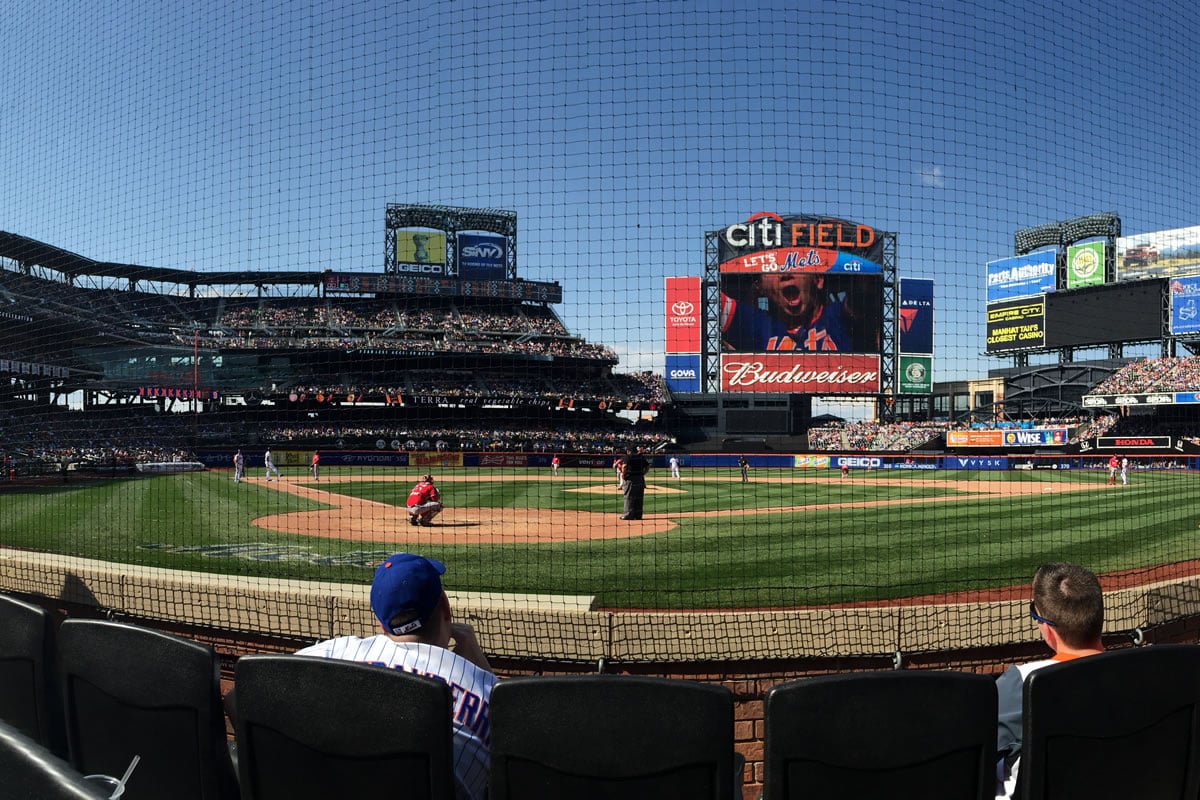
point(239, 466)
point(408, 601)
point(316, 466)
point(674, 463)
point(424, 502)
point(270, 465)
point(1113, 465)
point(554, 464)
point(1125, 470)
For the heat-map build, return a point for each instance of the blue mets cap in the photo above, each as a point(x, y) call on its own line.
point(406, 586)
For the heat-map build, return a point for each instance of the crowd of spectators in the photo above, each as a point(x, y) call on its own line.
point(121, 436)
point(616, 390)
point(481, 437)
point(1153, 375)
point(440, 325)
point(878, 436)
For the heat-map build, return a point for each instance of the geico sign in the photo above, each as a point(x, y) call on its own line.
point(857, 461)
point(422, 269)
point(682, 373)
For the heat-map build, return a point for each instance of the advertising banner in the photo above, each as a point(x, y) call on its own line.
point(803, 373)
point(974, 438)
point(408, 283)
point(420, 247)
point(683, 372)
point(1036, 437)
point(1185, 305)
point(857, 462)
point(482, 257)
point(1154, 399)
point(916, 315)
point(1085, 265)
point(1133, 442)
point(812, 462)
point(990, 463)
point(683, 314)
point(1020, 276)
point(1159, 254)
point(916, 374)
point(768, 242)
point(1016, 324)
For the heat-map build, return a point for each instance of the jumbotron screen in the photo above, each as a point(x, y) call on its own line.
point(801, 305)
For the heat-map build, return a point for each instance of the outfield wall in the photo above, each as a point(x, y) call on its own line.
point(563, 628)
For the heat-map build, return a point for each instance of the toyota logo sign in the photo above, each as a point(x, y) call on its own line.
point(682, 308)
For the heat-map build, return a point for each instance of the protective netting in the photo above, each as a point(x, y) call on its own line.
point(925, 268)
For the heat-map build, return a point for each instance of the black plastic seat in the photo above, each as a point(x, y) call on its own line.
point(914, 734)
point(29, 770)
point(132, 691)
point(29, 692)
point(606, 737)
point(1119, 724)
point(312, 727)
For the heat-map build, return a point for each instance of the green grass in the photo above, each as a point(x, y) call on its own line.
point(202, 521)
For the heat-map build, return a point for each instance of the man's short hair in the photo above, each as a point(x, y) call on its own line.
point(1070, 596)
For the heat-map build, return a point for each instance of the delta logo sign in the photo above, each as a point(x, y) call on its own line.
point(768, 242)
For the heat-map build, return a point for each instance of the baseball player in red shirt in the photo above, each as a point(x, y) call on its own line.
point(1113, 465)
point(424, 502)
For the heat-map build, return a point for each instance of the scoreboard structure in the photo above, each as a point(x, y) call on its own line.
point(444, 241)
point(1081, 284)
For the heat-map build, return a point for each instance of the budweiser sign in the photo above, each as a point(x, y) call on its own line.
point(807, 373)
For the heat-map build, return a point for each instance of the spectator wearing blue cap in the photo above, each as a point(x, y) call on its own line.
point(412, 608)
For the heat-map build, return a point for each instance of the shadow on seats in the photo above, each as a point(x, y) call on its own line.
point(607, 737)
point(923, 735)
point(1119, 724)
point(321, 728)
point(132, 691)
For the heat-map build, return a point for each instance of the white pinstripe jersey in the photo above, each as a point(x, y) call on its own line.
point(471, 686)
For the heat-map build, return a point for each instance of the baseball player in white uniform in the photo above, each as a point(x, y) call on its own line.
point(239, 467)
point(674, 462)
point(270, 465)
point(407, 598)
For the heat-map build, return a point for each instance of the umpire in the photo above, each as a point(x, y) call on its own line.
point(633, 473)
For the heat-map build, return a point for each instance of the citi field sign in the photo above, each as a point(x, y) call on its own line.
point(769, 242)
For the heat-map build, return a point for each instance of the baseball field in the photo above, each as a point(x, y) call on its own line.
point(787, 538)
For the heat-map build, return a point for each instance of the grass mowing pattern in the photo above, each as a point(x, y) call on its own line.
point(759, 559)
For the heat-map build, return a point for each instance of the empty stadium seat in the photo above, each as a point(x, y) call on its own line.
point(605, 737)
point(29, 770)
point(320, 728)
point(29, 692)
point(132, 691)
point(1119, 724)
point(912, 734)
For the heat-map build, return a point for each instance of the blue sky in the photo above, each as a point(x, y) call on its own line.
point(272, 135)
